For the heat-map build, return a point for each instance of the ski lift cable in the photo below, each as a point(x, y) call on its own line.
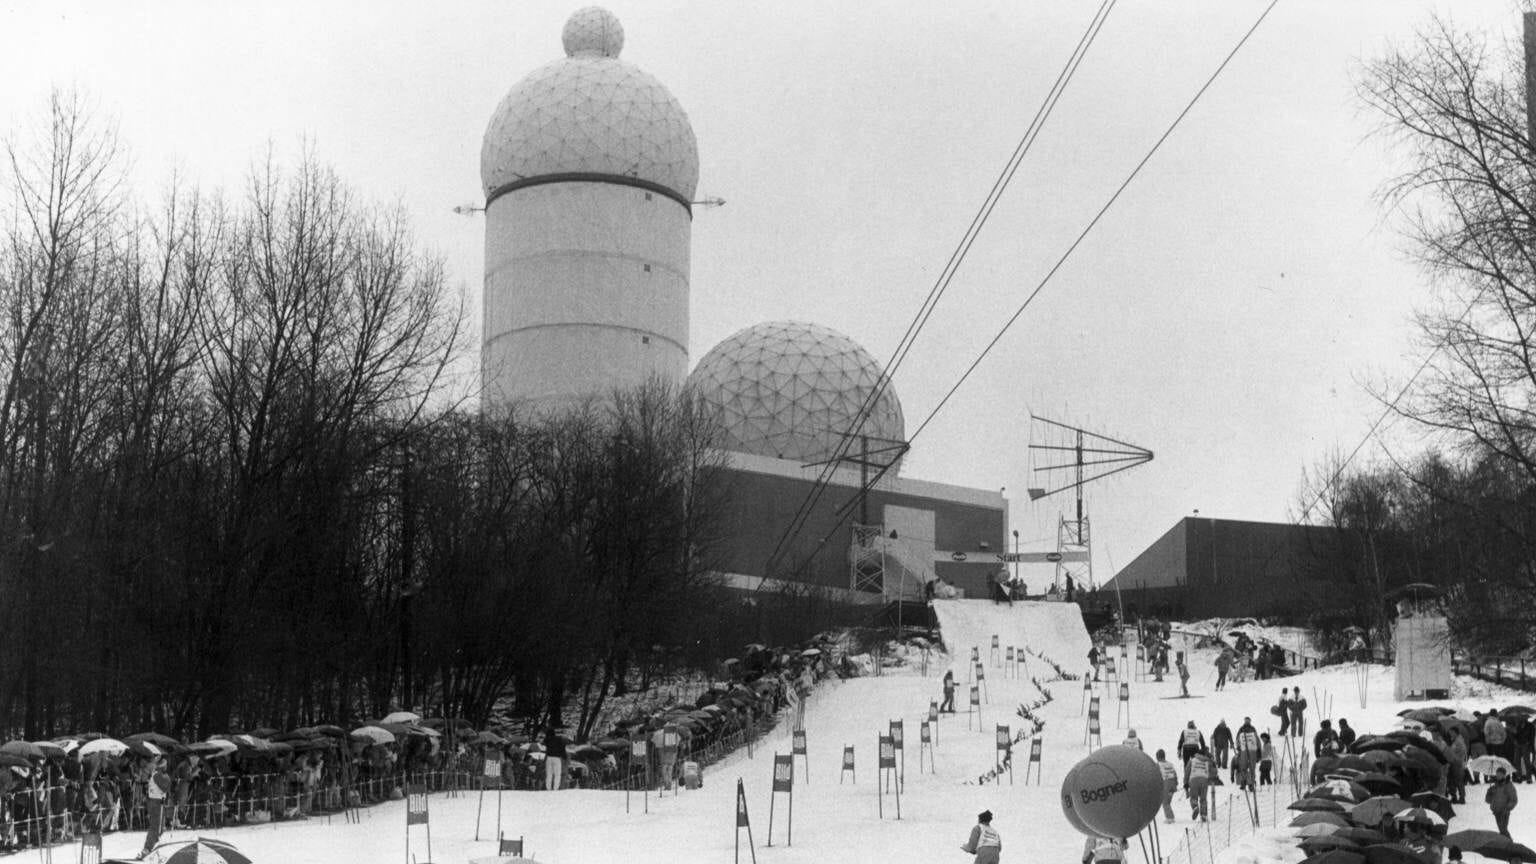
point(1045, 280)
point(1047, 107)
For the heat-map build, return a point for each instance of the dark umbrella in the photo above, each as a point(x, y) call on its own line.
point(1311, 805)
point(1356, 763)
point(1363, 836)
point(1435, 804)
point(1377, 742)
point(330, 731)
point(1381, 758)
point(1520, 710)
point(1391, 853)
point(1335, 856)
point(1379, 784)
point(263, 732)
point(11, 760)
point(488, 738)
point(1423, 715)
point(205, 850)
point(1490, 844)
point(1314, 845)
point(165, 742)
point(1319, 818)
point(1434, 750)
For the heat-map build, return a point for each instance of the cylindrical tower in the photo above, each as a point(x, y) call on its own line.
point(589, 167)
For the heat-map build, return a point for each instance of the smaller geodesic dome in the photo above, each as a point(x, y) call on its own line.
point(792, 390)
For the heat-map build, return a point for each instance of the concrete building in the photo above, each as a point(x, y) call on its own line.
point(589, 166)
point(1204, 568)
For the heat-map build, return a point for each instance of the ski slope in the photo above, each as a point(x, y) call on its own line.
point(839, 821)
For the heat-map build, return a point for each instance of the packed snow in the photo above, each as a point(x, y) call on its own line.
point(837, 818)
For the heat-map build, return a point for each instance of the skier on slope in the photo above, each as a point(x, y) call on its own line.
point(985, 843)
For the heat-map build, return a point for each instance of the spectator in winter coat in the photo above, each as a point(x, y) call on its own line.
point(1189, 743)
point(985, 843)
point(157, 788)
point(1223, 665)
point(1501, 798)
point(1132, 741)
point(554, 759)
point(1183, 676)
point(1346, 734)
point(1201, 771)
point(1456, 767)
point(1170, 784)
point(1326, 741)
point(949, 692)
point(1495, 735)
point(1282, 709)
point(1522, 743)
point(1299, 715)
point(1221, 742)
point(1266, 759)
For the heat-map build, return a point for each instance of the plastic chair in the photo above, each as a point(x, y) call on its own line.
point(509, 847)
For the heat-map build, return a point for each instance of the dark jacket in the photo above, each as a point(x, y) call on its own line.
point(554, 746)
point(1502, 797)
point(1221, 736)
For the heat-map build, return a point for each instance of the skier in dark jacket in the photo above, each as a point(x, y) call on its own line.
point(1221, 742)
point(1346, 734)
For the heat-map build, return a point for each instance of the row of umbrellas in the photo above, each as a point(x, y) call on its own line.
point(1339, 820)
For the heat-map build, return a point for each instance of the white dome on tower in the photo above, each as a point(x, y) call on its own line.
point(590, 115)
point(792, 390)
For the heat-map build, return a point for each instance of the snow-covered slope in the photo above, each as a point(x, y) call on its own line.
point(1053, 629)
point(839, 821)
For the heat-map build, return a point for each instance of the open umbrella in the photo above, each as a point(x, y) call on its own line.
point(1379, 784)
point(164, 742)
point(401, 717)
point(1370, 743)
point(1490, 844)
point(1379, 759)
point(1435, 803)
point(1356, 762)
point(1435, 751)
point(1420, 816)
point(1316, 804)
point(214, 747)
point(1479, 764)
point(110, 746)
point(1340, 790)
point(1314, 845)
point(25, 749)
point(144, 748)
point(1335, 856)
point(1371, 811)
point(11, 760)
point(488, 738)
point(203, 850)
point(1319, 818)
point(373, 735)
point(1517, 710)
point(1363, 836)
point(51, 750)
point(329, 731)
point(1391, 853)
point(1318, 829)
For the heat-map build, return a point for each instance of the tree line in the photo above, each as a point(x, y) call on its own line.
point(1461, 512)
point(235, 490)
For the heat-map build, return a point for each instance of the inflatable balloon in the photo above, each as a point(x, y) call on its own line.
point(1066, 810)
point(1115, 791)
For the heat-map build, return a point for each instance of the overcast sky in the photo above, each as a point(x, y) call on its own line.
point(1226, 314)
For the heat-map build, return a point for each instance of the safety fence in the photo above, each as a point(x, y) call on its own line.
point(1235, 814)
point(43, 816)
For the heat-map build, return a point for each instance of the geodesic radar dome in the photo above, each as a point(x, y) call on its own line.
point(590, 115)
point(790, 390)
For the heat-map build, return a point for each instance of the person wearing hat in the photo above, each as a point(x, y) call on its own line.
point(985, 843)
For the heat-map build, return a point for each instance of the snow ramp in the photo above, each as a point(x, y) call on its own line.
point(1053, 629)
